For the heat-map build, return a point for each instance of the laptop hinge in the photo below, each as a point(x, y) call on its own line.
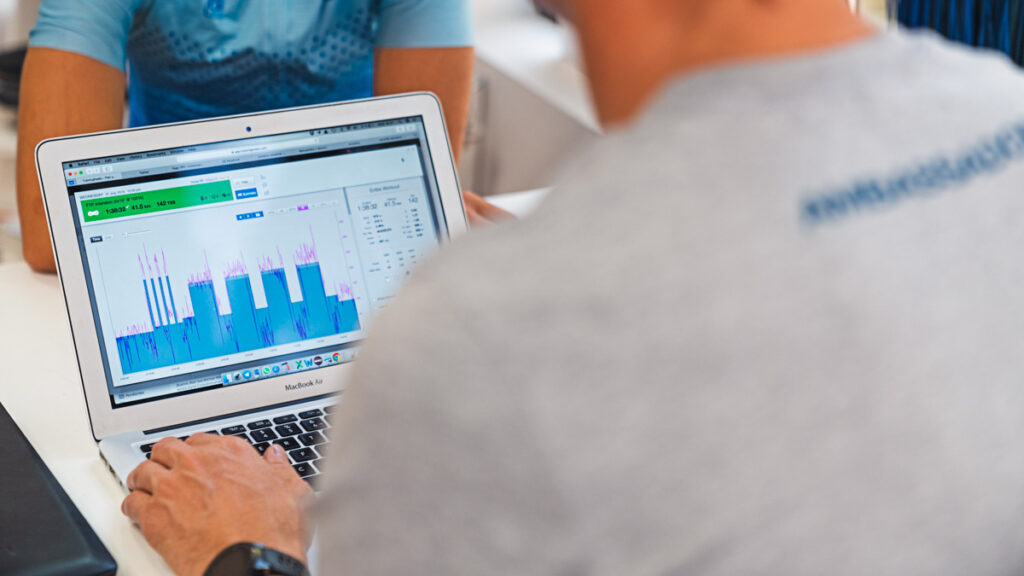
point(242, 413)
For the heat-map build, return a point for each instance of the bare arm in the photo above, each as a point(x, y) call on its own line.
point(62, 93)
point(447, 72)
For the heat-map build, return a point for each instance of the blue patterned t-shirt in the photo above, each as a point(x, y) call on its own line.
point(191, 59)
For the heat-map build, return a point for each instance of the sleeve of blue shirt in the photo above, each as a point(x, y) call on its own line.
point(424, 24)
point(97, 29)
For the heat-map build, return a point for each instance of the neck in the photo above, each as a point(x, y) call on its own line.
point(631, 53)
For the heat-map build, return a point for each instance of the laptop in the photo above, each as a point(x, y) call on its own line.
point(220, 275)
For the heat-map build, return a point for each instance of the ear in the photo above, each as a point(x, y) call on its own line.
point(562, 8)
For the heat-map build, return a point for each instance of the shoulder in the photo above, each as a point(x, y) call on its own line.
point(424, 23)
point(97, 29)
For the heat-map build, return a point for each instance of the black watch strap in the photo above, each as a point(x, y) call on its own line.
point(252, 559)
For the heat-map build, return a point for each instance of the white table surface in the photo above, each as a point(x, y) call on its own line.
point(41, 389)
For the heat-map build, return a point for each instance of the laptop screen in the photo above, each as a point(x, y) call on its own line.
point(221, 264)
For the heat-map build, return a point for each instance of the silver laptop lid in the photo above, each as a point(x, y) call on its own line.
point(249, 264)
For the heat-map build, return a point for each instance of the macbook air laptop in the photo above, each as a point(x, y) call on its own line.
point(220, 275)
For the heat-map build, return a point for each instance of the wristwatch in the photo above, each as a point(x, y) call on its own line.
point(252, 559)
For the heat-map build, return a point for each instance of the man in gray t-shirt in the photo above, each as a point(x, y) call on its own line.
point(773, 324)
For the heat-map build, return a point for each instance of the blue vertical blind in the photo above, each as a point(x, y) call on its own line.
point(997, 24)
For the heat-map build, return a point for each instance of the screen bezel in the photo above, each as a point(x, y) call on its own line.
point(50, 156)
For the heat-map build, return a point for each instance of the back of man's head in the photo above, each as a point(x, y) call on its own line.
point(632, 48)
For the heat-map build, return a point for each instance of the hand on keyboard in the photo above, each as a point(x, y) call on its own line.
point(195, 498)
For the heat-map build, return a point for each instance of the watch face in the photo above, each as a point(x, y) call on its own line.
point(248, 559)
point(237, 560)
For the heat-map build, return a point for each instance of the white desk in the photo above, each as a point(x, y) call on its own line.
point(41, 389)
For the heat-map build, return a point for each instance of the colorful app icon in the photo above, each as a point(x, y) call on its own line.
point(227, 378)
point(238, 376)
point(336, 358)
point(247, 375)
point(318, 360)
point(266, 370)
point(276, 369)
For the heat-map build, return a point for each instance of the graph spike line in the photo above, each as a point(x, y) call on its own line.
point(164, 279)
point(149, 303)
point(203, 332)
point(306, 254)
point(145, 258)
point(205, 276)
point(237, 267)
point(133, 329)
point(265, 263)
point(163, 300)
point(156, 303)
point(170, 294)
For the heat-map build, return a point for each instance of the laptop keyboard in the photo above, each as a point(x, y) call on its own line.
point(300, 434)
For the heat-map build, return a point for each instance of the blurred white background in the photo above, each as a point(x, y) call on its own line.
point(16, 19)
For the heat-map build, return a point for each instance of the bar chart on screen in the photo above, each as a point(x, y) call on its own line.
point(229, 282)
point(208, 331)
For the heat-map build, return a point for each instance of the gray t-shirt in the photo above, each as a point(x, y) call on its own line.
point(775, 327)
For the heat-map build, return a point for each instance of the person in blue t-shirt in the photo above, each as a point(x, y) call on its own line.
point(189, 59)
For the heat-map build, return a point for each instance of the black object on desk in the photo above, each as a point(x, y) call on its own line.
point(41, 531)
point(10, 75)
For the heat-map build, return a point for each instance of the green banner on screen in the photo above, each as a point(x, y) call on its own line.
point(156, 201)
